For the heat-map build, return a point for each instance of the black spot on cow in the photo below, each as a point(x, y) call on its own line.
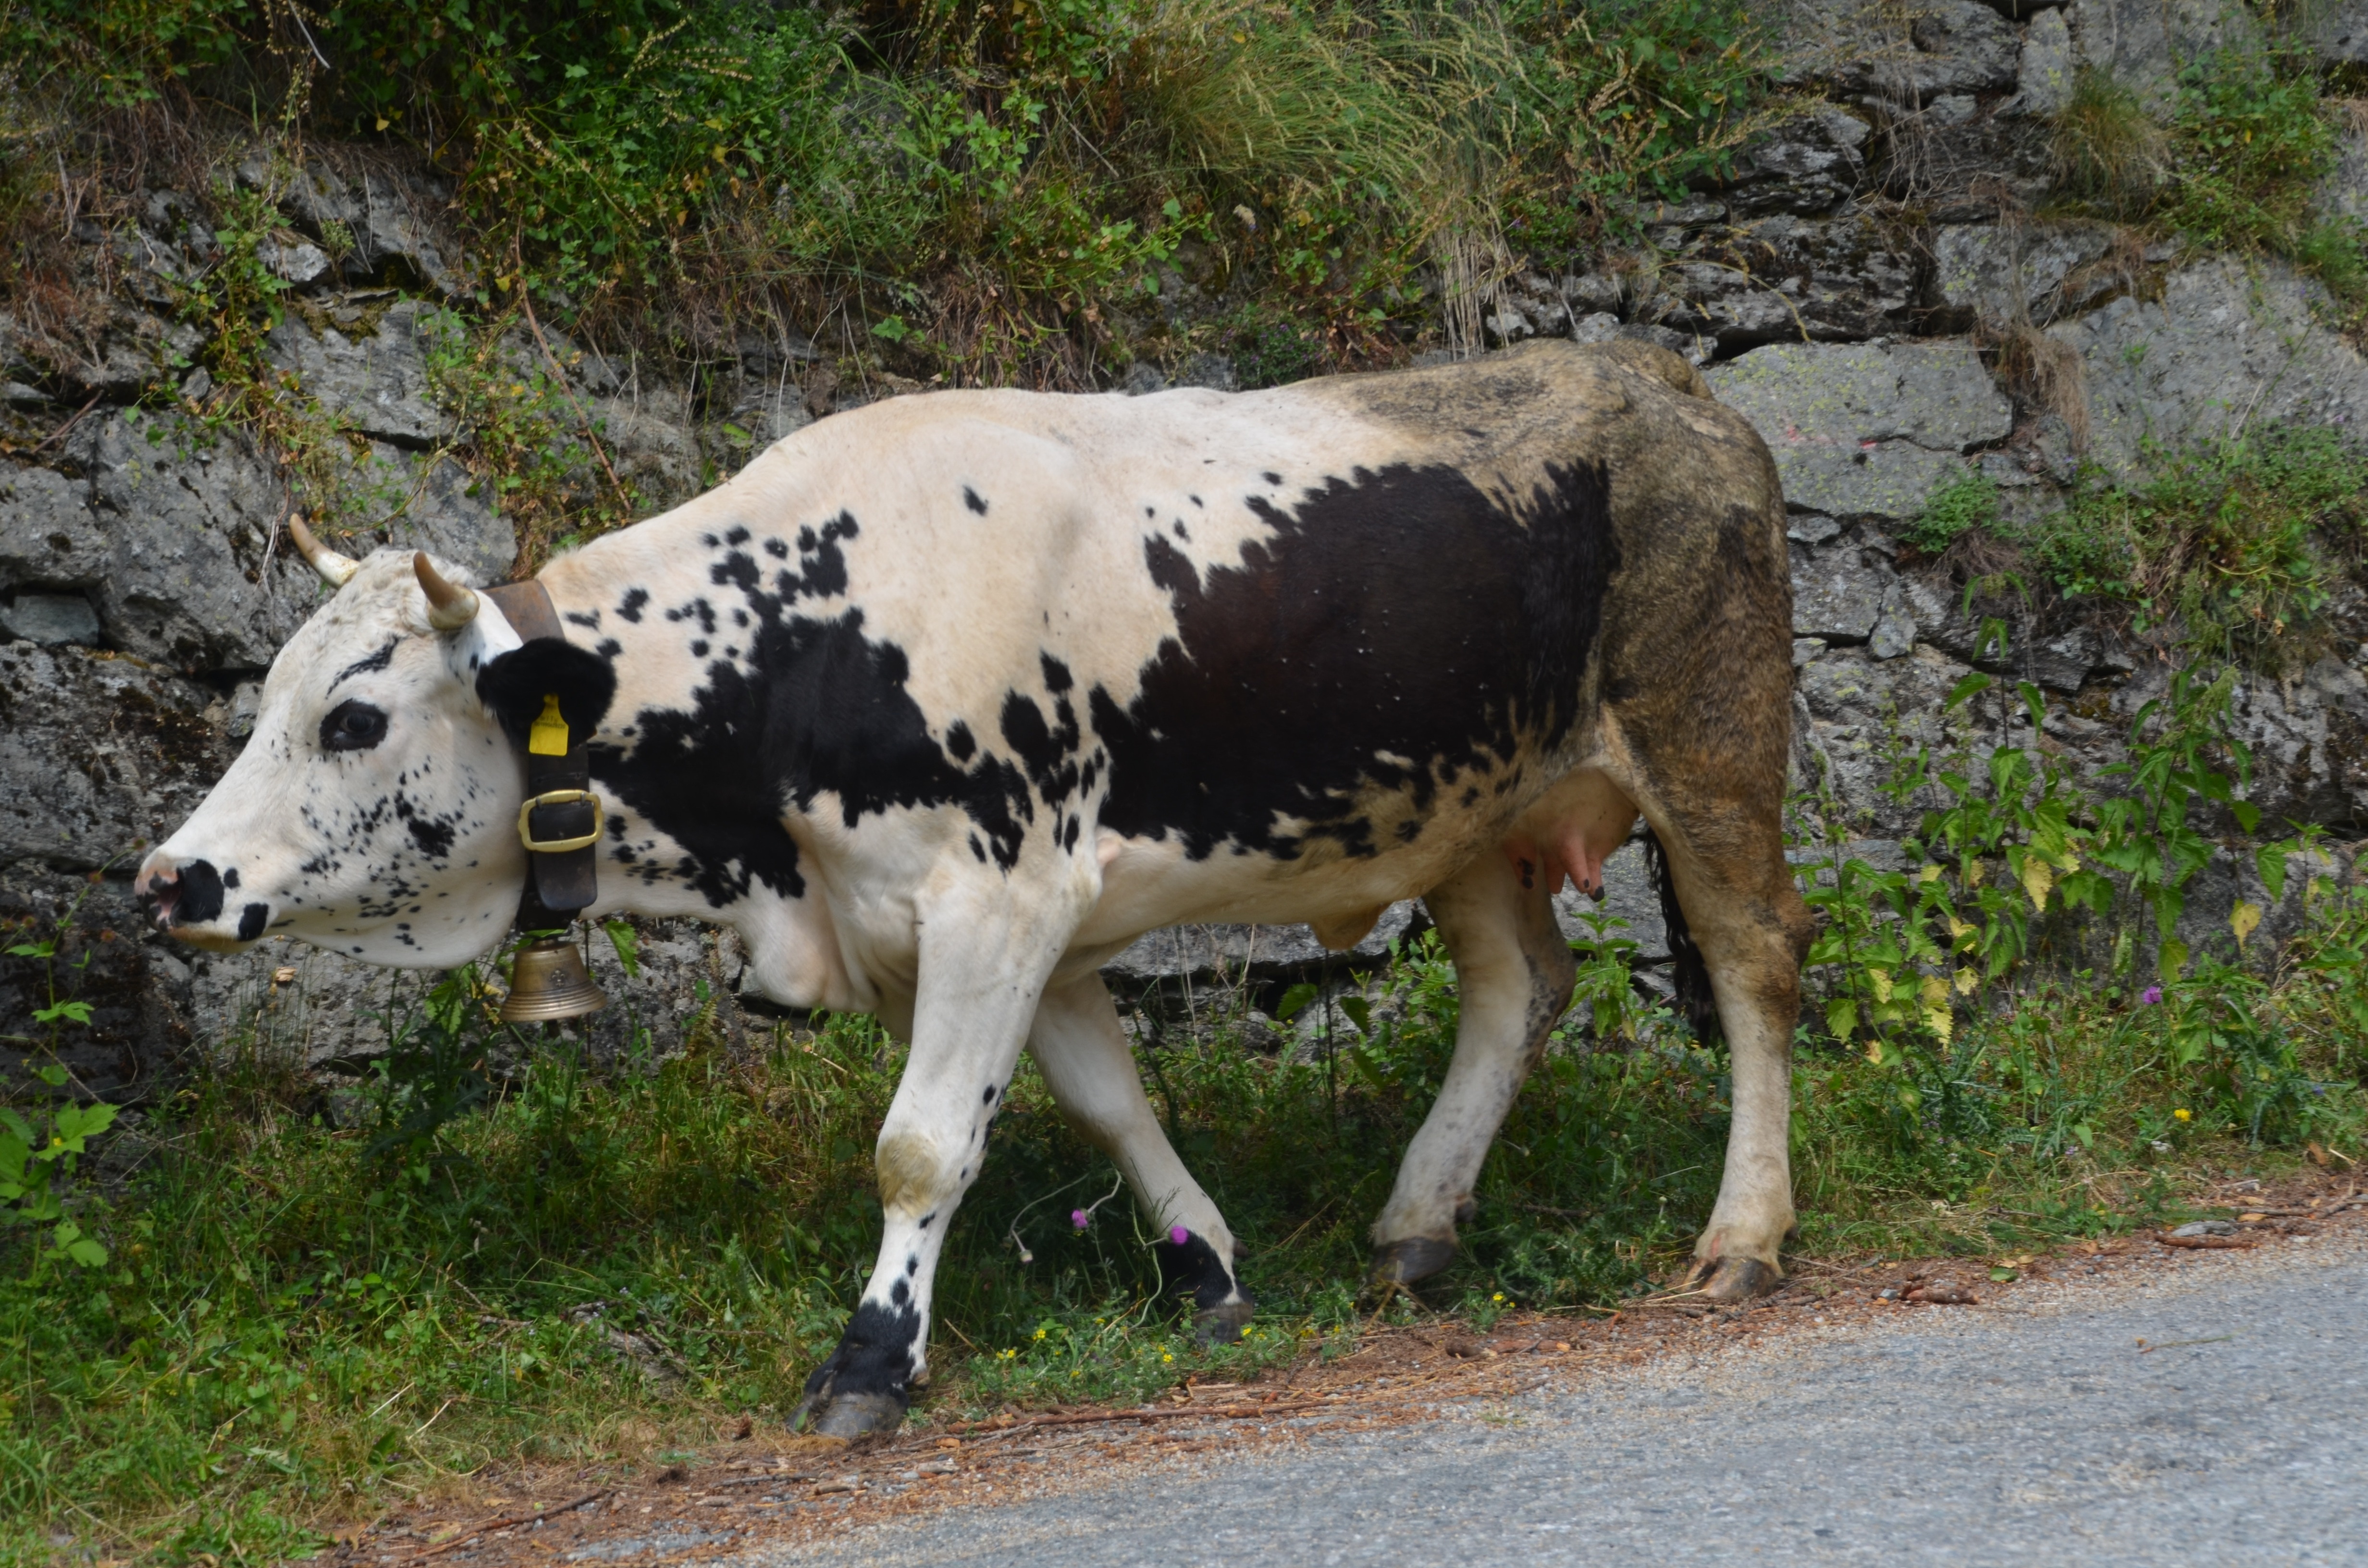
point(974, 500)
point(1400, 611)
point(1271, 477)
point(698, 648)
point(779, 549)
point(633, 602)
point(911, 1266)
point(434, 838)
point(737, 537)
point(230, 877)
point(515, 684)
point(378, 661)
point(989, 1098)
point(900, 1293)
point(960, 745)
point(589, 620)
point(251, 921)
point(609, 648)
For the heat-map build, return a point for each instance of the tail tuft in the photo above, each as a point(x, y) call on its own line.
point(1695, 1002)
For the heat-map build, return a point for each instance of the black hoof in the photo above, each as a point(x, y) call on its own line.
point(1222, 1324)
point(1733, 1278)
point(848, 1415)
point(1400, 1264)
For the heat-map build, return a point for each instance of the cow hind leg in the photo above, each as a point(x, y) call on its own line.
point(1083, 1055)
point(1514, 973)
point(1726, 885)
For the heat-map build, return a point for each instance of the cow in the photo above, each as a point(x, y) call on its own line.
point(942, 702)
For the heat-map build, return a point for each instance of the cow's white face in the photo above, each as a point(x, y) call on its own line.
point(374, 810)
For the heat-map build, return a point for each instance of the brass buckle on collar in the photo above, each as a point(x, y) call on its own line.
point(559, 798)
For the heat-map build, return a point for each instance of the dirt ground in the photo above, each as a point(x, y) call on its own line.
point(753, 1486)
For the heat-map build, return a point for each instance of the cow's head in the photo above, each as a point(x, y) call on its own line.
point(375, 808)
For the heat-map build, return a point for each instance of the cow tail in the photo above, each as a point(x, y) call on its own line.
point(1689, 975)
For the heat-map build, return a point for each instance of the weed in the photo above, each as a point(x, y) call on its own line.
point(1957, 505)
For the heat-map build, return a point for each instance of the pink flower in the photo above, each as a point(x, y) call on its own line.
point(2150, 995)
point(1179, 1234)
point(1080, 1219)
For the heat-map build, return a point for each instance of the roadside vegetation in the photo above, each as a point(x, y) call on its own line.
point(299, 1305)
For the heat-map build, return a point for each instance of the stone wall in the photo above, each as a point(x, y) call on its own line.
point(1845, 291)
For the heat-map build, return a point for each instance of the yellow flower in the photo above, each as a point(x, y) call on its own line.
point(1498, 1297)
point(1040, 1333)
point(2183, 1114)
point(1164, 1359)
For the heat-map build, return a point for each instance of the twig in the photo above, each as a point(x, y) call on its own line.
point(526, 301)
point(490, 1525)
point(2182, 1344)
point(70, 424)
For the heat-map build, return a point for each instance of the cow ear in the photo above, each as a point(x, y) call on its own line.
point(515, 684)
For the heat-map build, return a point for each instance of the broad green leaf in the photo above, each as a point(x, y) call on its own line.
point(1841, 1017)
point(2173, 959)
point(1972, 686)
point(2244, 919)
point(627, 946)
point(1294, 1001)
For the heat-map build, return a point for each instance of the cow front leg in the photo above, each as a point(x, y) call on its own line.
point(1083, 1055)
point(1513, 974)
point(980, 973)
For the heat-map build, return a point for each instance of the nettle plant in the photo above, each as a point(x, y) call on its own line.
point(2020, 853)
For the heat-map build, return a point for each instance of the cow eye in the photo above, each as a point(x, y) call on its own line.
point(353, 726)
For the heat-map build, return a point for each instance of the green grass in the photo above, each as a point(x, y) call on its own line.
point(302, 1322)
point(2237, 547)
point(1002, 180)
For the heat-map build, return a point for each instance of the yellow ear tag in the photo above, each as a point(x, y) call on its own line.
point(548, 735)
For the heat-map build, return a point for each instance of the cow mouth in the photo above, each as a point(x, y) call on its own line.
point(188, 902)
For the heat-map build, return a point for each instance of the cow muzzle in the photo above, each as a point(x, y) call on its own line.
point(193, 902)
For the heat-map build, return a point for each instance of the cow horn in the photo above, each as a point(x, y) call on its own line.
point(334, 569)
point(449, 607)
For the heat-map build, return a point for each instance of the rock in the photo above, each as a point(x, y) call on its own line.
point(1785, 278)
point(188, 516)
point(1998, 274)
point(2042, 77)
point(300, 264)
point(48, 537)
point(135, 985)
point(2206, 1228)
point(395, 242)
point(428, 501)
point(53, 618)
point(1835, 596)
point(2143, 44)
point(1142, 377)
point(1214, 371)
point(1234, 951)
point(378, 385)
point(1909, 55)
point(2344, 192)
point(100, 757)
point(2341, 35)
point(1865, 430)
point(2227, 345)
point(1810, 163)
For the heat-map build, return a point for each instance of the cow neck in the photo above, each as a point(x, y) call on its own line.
point(559, 882)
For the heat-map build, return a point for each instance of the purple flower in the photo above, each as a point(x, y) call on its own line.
point(2150, 995)
point(1179, 1234)
point(1080, 1219)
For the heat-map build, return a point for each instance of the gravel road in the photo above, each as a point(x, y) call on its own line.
point(2036, 1433)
